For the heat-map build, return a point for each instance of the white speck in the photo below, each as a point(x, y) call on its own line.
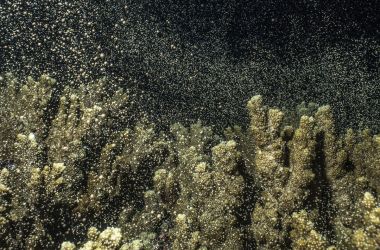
point(31, 137)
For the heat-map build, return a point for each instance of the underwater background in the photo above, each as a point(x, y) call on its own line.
point(185, 59)
point(140, 125)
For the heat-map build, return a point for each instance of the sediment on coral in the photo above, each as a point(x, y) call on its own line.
point(94, 177)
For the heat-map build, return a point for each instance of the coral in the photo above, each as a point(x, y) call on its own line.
point(145, 241)
point(22, 111)
point(283, 171)
point(80, 171)
point(54, 182)
point(368, 235)
point(110, 238)
point(209, 219)
point(303, 235)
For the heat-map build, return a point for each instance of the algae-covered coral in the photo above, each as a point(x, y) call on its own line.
point(80, 171)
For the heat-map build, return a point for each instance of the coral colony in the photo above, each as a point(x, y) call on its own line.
point(79, 170)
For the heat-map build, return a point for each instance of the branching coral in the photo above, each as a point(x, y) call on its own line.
point(57, 196)
point(309, 168)
point(303, 234)
point(85, 174)
point(368, 235)
point(22, 111)
point(209, 220)
point(110, 238)
point(283, 171)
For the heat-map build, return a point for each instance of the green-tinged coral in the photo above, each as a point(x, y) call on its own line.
point(78, 171)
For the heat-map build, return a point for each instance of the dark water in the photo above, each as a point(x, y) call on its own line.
point(205, 59)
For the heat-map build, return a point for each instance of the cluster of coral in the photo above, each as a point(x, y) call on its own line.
point(79, 171)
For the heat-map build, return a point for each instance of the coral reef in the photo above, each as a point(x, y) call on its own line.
point(80, 171)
